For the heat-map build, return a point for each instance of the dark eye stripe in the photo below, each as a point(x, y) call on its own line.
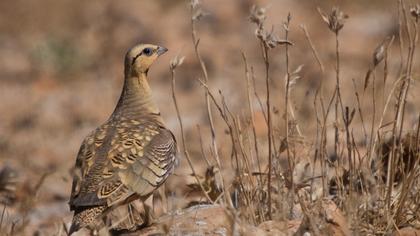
point(135, 58)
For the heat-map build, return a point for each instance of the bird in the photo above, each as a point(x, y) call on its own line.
point(130, 155)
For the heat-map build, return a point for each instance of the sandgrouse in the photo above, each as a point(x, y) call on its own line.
point(130, 155)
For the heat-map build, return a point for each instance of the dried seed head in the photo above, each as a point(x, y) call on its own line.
point(379, 55)
point(260, 33)
point(258, 15)
point(334, 20)
point(197, 11)
point(286, 24)
point(380, 51)
point(294, 77)
point(270, 40)
point(195, 3)
point(176, 61)
point(415, 11)
point(199, 14)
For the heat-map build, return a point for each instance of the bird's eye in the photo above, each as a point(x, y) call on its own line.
point(147, 51)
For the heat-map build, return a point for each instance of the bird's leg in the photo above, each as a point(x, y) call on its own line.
point(94, 232)
point(130, 214)
point(149, 218)
point(159, 198)
point(98, 227)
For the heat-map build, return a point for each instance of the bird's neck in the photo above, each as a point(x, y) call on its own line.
point(136, 100)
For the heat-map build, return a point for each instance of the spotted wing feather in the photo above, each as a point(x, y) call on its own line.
point(148, 158)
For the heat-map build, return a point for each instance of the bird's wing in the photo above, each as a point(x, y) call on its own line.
point(148, 159)
point(139, 157)
point(84, 163)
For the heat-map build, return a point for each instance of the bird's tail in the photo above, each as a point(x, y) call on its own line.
point(86, 217)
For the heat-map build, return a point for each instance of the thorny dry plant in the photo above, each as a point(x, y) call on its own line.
point(359, 182)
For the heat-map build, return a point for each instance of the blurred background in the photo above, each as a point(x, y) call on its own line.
point(61, 73)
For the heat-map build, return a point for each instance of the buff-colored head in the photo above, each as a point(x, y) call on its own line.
point(139, 58)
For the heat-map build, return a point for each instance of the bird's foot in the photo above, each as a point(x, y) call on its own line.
point(148, 217)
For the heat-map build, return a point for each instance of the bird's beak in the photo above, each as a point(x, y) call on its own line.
point(161, 50)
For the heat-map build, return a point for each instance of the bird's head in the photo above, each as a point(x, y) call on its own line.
point(139, 58)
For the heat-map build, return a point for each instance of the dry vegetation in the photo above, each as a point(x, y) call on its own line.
point(291, 118)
